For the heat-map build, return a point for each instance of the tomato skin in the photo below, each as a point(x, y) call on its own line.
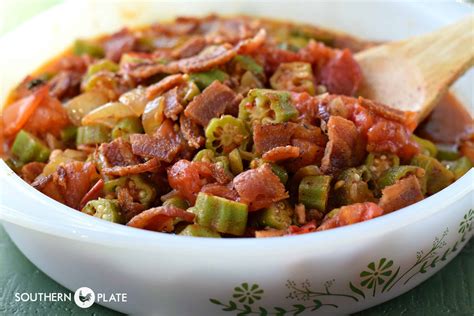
point(351, 214)
point(16, 115)
point(189, 177)
point(49, 117)
point(342, 74)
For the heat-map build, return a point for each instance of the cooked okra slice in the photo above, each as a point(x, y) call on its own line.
point(108, 210)
point(226, 133)
point(437, 177)
point(277, 216)
point(313, 192)
point(92, 134)
point(28, 148)
point(197, 230)
point(458, 167)
point(223, 215)
point(127, 126)
point(267, 106)
point(427, 147)
point(204, 79)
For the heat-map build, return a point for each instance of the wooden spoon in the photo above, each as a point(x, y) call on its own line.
point(413, 74)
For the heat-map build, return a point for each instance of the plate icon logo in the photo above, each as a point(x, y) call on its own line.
point(84, 297)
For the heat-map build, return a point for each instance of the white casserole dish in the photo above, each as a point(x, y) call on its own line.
point(328, 272)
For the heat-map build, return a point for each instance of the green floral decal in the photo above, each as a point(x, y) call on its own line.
point(378, 277)
point(245, 294)
point(376, 274)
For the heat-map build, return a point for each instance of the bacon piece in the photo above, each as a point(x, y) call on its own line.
point(268, 136)
point(160, 218)
point(351, 214)
point(172, 105)
point(259, 188)
point(94, 193)
point(120, 171)
point(342, 74)
point(212, 102)
point(126, 198)
point(163, 85)
point(69, 183)
point(404, 192)
point(162, 148)
point(344, 148)
point(281, 153)
point(309, 153)
point(66, 84)
point(118, 153)
point(118, 44)
point(225, 191)
point(306, 228)
point(189, 48)
point(207, 59)
point(191, 132)
point(31, 171)
point(47, 185)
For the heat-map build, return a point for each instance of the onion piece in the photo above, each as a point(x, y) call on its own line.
point(84, 103)
point(153, 115)
point(108, 114)
point(136, 99)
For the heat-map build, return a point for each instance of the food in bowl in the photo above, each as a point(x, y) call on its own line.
point(224, 127)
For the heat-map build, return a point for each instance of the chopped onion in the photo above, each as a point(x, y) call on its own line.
point(79, 106)
point(135, 99)
point(153, 115)
point(108, 114)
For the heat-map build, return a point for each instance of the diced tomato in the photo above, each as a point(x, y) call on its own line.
point(342, 74)
point(351, 214)
point(49, 117)
point(188, 177)
point(16, 115)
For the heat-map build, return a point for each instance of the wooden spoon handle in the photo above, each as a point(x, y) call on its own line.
point(414, 74)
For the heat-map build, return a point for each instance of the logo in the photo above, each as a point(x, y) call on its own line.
point(84, 297)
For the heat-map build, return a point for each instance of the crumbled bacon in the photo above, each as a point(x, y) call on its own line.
point(189, 48)
point(118, 44)
point(351, 214)
point(208, 58)
point(404, 192)
point(31, 171)
point(126, 199)
point(163, 85)
point(281, 153)
point(191, 132)
point(212, 102)
point(344, 148)
point(66, 84)
point(120, 171)
point(173, 107)
point(306, 228)
point(69, 183)
point(259, 188)
point(160, 218)
point(162, 148)
point(93, 194)
point(269, 136)
point(118, 153)
point(225, 191)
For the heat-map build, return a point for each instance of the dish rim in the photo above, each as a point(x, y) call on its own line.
point(80, 226)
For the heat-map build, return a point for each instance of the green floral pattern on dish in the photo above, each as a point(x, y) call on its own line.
point(378, 277)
